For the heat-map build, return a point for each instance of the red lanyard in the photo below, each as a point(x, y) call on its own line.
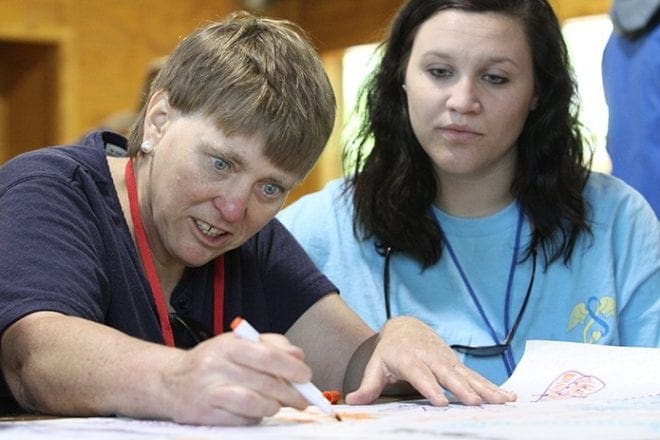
point(152, 275)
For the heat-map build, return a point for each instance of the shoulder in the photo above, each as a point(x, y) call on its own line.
point(71, 183)
point(334, 192)
point(610, 197)
point(273, 230)
point(271, 241)
point(621, 217)
point(313, 210)
point(274, 253)
point(62, 162)
point(322, 223)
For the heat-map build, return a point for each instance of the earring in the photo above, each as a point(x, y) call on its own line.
point(146, 147)
point(403, 86)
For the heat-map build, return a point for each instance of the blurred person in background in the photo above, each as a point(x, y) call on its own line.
point(631, 81)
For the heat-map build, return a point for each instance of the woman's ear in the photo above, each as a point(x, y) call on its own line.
point(158, 113)
point(535, 102)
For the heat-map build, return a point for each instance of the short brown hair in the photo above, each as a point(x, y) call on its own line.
point(252, 75)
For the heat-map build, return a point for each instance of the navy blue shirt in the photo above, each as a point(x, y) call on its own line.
point(65, 247)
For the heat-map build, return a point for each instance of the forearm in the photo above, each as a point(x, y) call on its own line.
point(337, 333)
point(69, 366)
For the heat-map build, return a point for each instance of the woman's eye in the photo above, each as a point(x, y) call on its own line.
point(440, 73)
point(271, 190)
point(495, 79)
point(220, 164)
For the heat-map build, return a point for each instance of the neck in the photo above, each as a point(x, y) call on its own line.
point(470, 199)
point(169, 277)
point(169, 272)
point(475, 195)
point(117, 166)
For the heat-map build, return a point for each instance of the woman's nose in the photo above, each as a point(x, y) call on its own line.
point(232, 206)
point(464, 97)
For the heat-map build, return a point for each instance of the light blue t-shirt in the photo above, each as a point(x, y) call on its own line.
point(608, 294)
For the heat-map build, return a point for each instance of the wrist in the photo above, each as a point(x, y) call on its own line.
point(153, 392)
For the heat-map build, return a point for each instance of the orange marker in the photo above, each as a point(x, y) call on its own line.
point(332, 396)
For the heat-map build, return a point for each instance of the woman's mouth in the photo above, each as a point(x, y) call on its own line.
point(207, 229)
point(459, 134)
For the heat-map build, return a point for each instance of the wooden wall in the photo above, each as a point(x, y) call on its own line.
point(67, 64)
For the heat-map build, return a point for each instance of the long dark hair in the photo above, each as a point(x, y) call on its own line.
point(393, 184)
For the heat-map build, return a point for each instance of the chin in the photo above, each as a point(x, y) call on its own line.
point(196, 259)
